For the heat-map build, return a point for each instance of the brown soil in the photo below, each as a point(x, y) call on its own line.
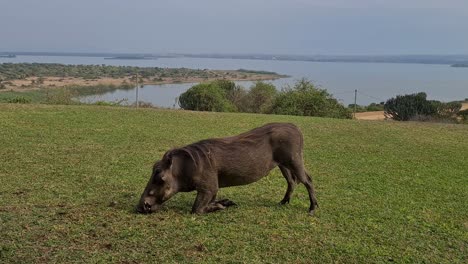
point(374, 115)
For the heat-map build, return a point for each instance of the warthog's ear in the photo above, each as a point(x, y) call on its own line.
point(181, 162)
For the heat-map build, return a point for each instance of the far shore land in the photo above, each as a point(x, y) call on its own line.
point(37, 83)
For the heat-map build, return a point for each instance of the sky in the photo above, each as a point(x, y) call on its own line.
point(296, 27)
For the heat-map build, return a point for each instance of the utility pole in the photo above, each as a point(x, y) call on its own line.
point(355, 100)
point(136, 81)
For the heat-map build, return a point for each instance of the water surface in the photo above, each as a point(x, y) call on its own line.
point(375, 81)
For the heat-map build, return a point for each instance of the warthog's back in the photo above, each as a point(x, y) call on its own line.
point(247, 157)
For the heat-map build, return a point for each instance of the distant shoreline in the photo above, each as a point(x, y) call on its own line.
point(130, 58)
point(460, 65)
point(23, 76)
point(451, 60)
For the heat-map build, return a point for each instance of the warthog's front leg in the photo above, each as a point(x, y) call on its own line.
point(203, 203)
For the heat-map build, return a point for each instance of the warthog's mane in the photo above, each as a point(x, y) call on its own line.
point(202, 153)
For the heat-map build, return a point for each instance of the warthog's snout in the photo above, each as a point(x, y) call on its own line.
point(147, 208)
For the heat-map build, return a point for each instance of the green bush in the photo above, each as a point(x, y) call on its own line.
point(238, 97)
point(19, 100)
point(206, 97)
point(224, 96)
point(260, 98)
point(463, 115)
point(304, 99)
point(233, 93)
point(415, 107)
point(375, 107)
point(61, 97)
point(358, 108)
point(405, 107)
point(448, 110)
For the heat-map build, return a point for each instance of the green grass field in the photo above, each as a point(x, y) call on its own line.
point(71, 176)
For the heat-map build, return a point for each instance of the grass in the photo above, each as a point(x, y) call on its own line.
point(60, 95)
point(33, 96)
point(71, 176)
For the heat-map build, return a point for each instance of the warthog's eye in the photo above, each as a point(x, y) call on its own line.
point(151, 193)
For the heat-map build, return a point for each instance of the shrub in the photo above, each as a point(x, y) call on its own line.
point(206, 97)
point(448, 110)
point(238, 97)
point(260, 98)
point(415, 107)
point(305, 99)
point(143, 104)
point(359, 108)
point(375, 107)
point(463, 115)
point(19, 100)
point(405, 107)
point(62, 96)
point(121, 102)
point(225, 85)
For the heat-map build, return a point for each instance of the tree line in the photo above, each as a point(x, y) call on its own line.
point(18, 71)
point(305, 99)
point(302, 99)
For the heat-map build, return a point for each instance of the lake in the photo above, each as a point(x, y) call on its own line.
point(375, 82)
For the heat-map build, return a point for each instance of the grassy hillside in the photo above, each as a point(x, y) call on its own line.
point(71, 176)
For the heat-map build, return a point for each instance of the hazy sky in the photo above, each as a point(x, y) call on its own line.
point(307, 27)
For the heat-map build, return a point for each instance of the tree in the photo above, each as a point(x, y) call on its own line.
point(304, 99)
point(205, 97)
point(260, 97)
point(406, 107)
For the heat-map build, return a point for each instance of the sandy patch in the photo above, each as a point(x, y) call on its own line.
point(464, 106)
point(374, 115)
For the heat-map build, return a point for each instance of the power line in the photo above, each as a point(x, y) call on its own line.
point(345, 92)
point(370, 96)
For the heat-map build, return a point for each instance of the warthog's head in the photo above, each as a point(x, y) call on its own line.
point(159, 189)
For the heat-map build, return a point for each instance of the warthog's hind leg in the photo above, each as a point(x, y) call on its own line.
point(310, 188)
point(302, 176)
point(291, 183)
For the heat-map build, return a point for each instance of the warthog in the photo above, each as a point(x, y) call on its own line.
point(210, 164)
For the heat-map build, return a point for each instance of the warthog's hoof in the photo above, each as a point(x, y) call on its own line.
point(284, 201)
point(312, 209)
point(226, 202)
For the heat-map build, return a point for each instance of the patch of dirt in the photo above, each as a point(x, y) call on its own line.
point(374, 115)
